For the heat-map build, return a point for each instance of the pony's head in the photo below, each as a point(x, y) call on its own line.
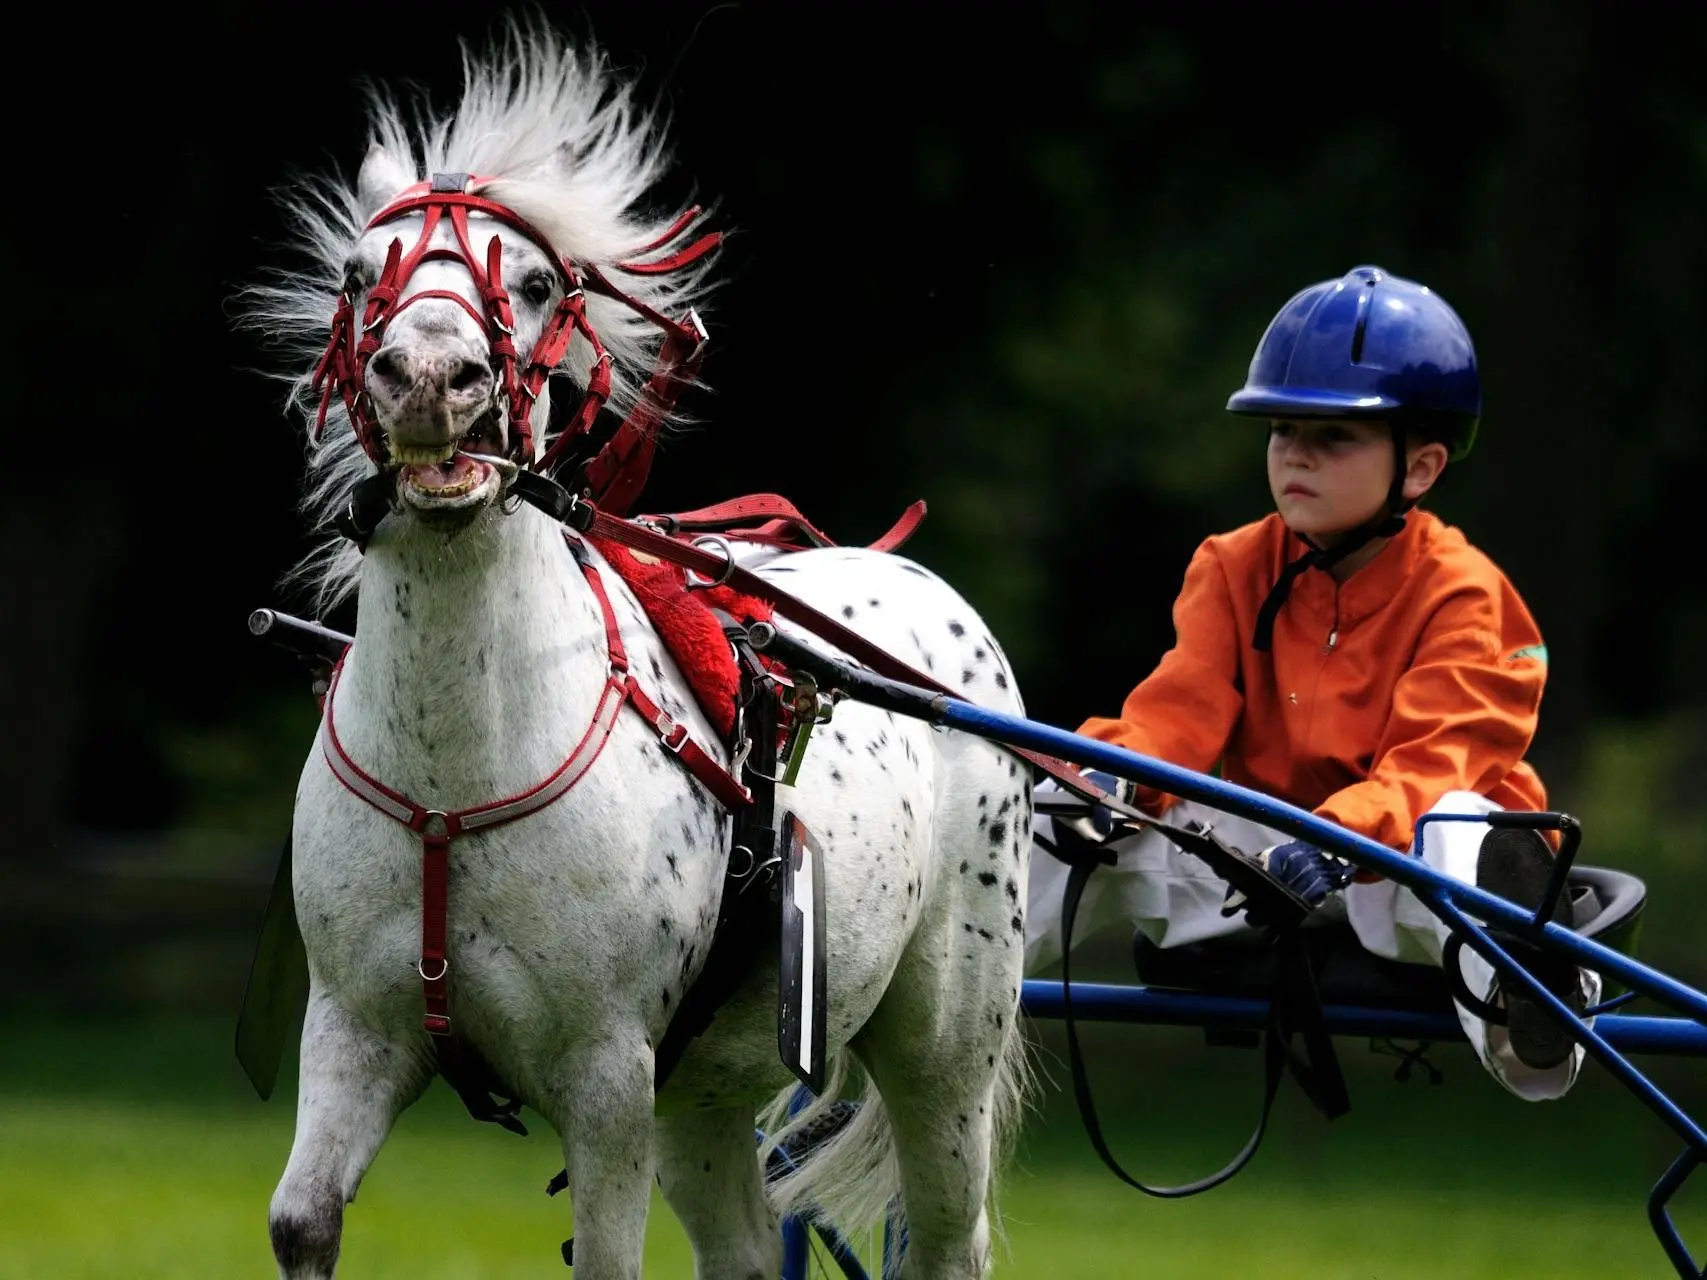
point(428, 375)
point(476, 256)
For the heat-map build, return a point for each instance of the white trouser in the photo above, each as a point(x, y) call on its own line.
point(1175, 899)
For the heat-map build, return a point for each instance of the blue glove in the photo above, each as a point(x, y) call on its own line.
point(1102, 818)
point(1302, 868)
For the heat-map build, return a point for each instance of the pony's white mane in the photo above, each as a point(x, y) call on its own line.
point(569, 150)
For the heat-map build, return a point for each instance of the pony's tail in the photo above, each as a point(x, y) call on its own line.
point(1011, 1098)
point(851, 1178)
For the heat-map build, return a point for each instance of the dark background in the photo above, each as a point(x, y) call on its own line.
point(1011, 262)
point(1012, 265)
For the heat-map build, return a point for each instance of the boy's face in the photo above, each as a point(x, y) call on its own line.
point(1331, 475)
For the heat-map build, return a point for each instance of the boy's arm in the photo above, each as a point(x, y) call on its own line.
point(1463, 716)
point(1184, 711)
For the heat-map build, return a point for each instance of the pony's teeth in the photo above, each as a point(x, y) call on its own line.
point(418, 455)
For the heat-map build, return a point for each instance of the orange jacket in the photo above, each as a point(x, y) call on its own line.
point(1418, 675)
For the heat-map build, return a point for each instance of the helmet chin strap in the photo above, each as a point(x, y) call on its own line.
point(1388, 522)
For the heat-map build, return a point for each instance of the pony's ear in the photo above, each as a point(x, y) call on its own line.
point(380, 179)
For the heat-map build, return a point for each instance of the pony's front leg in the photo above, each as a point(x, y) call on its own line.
point(602, 1105)
point(354, 1084)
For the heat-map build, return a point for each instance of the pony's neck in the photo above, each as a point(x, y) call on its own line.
point(477, 656)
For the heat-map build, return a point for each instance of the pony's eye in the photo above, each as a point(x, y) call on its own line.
point(536, 288)
point(355, 280)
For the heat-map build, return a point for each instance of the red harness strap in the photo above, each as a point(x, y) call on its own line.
point(716, 567)
point(438, 827)
point(782, 526)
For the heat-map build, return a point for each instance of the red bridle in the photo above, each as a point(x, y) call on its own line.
point(617, 473)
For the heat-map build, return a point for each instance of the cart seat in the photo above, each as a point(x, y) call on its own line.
point(1606, 905)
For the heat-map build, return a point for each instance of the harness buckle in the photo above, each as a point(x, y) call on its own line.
point(437, 1024)
point(694, 582)
point(675, 739)
point(810, 707)
point(739, 760)
point(697, 327)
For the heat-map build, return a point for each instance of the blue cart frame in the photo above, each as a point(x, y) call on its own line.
point(1453, 901)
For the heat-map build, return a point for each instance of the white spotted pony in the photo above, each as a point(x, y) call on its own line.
point(477, 731)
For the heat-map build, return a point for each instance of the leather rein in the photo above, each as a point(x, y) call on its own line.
point(719, 567)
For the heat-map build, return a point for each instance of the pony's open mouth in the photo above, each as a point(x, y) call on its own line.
point(458, 481)
point(450, 477)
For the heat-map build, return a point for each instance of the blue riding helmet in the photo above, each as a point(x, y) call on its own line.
point(1368, 345)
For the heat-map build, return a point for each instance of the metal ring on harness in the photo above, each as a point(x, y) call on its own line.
point(421, 968)
point(727, 572)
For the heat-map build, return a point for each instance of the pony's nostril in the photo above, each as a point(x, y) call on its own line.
point(388, 367)
point(469, 373)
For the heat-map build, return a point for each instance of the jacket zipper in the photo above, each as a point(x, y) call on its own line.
point(1328, 648)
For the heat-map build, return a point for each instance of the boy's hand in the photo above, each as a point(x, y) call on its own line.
point(1302, 868)
point(1102, 818)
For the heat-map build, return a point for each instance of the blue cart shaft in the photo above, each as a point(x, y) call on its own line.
point(1112, 1002)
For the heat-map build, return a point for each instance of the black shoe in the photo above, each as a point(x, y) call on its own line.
point(1515, 863)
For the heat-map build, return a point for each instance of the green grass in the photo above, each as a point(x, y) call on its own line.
point(138, 1152)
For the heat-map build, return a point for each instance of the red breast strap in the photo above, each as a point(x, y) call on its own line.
point(438, 827)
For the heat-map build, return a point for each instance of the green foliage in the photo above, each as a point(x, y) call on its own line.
point(1641, 812)
point(237, 778)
